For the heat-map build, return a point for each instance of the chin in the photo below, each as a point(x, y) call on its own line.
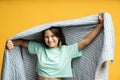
point(51, 46)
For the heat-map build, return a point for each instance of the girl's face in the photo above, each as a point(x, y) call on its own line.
point(50, 39)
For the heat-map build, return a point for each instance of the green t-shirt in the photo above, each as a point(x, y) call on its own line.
point(54, 62)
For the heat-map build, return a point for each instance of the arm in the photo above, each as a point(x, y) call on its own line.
point(20, 42)
point(92, 35)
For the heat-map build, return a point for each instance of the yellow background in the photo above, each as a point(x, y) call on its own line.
point(19, 15)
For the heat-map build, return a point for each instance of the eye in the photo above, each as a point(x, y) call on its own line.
point(45, 36)
point(52, 35)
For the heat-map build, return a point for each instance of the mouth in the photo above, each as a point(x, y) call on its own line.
point(50, 43)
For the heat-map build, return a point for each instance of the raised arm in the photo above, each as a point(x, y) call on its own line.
point(20, 42)
point(92, 35)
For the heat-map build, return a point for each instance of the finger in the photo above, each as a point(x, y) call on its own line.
point(9, 42)
point(101, 14)
point(10, 48)
point(100, 17)
point(9, 45)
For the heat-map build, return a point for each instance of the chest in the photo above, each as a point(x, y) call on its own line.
point(54, 58)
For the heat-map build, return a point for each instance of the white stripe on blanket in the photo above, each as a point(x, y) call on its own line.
point(92, 65)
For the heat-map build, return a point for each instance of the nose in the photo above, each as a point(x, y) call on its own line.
point(50, 39)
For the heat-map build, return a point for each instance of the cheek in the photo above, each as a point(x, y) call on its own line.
point(56, 39)
point(46, 40)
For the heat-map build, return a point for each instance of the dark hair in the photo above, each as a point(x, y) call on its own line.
point(57, 31)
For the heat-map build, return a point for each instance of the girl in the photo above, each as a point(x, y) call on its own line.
point(54, 56)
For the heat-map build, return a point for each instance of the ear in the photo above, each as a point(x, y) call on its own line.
point(58, 38)
point(60, 43)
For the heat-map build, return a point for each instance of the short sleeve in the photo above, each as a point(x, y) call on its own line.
point(74, 51)
point(34, 47)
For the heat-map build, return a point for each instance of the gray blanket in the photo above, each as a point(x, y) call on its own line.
point(92, 65)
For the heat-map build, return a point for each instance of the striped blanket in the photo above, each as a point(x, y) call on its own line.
point(92, 65)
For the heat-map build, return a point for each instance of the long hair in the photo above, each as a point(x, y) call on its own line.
point(57, 31)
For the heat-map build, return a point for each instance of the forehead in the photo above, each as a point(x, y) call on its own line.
point(48, 32)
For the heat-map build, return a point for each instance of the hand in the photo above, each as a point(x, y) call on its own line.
point(100, 17)
point(9, 45)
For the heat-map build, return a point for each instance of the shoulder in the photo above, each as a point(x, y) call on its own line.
point(35, 44)
point(35, 47)
point(72, 45)
point(69, 47)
